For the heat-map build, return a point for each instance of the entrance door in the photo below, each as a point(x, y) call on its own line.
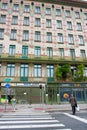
point(52, 95)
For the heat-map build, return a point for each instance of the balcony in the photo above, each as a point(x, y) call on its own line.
point(42, 59)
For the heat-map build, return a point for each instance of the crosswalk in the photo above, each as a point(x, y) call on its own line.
point(32, 121)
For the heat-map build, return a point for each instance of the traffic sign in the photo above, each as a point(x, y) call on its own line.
point(7, 86)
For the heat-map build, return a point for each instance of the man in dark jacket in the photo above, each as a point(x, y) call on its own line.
point(73, 103)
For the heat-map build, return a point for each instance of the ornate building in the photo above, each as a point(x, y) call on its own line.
point(35, 37)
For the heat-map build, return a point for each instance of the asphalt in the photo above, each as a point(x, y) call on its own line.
point(27, 108)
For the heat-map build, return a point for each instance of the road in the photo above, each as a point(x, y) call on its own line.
point(44, 121)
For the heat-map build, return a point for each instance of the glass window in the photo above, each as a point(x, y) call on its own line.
point(59, 24)
point(37, 51)
point(15, 20)
point(37, 36)
point(58, 12)
point(37, 10)
point(0, 49)
point(48, 23)
point(4, 6)
point(81, 42)
point(48, 11)
point(25, 50)
point(60, 38)
point(26, 8)
point(79, 27)
point(83, 54)
point(61, 52)
point(11, 70)
point(49, 37)
point(37, 71)
point(68, 14)
point(15, 7)
point(69, 25)
point(49, 51)
point(72, 53)
point(26, 21)
point(71, 39)
point(50, 71)
point(77, 15)
point(1, 33)
point(3, 19)
point(37, 22)
point(13, 34)
point(25, 35)
point(12, 49)
point(24, 70)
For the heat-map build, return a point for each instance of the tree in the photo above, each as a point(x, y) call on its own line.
point(62, 71)
point(80, 72)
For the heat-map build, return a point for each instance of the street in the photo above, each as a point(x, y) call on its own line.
point(43, 121)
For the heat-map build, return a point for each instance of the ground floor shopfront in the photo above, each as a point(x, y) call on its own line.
point(49, 93)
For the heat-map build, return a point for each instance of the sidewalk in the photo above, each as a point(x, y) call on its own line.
point(40, 107)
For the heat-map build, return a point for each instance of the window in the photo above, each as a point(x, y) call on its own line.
point(79, 27)
point(48, 11)
point(49, 51)
point(24, 70)
point(60, 38)
point(50, 71)
point(26, 21)
point(25, 35)
point(1, 33)
point(37, 22)
point(26, 8)
point(69, 25)
point(15, 7)
point(68, 14)
point(61, 52)
point(10, 70)
point(58, 12)
point(25, 50)
point(48, 23)
point(37, 10)
point(3, 19)
point(72, 53)
point(49, 37)
point(13, 34)
point(81, 42)
point(0, 49)
point(37, 51)
point(71, 39)
point(37, 36)
point(14, 20)
point(83, 54)
point(37, 70)
point(4, 6)
point(77, 15)
point(59, 24)
point(12, 49)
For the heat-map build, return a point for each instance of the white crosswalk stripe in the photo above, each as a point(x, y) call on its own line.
point(9, 122)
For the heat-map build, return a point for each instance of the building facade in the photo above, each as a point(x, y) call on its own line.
point(35, 37)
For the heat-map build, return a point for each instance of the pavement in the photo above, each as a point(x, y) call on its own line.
point(27, 108)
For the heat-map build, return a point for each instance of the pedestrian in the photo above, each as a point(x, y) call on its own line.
point(13, 102)
point(73, 103)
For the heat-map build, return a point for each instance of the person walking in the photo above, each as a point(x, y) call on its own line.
point(13, 102)
point(73, 103)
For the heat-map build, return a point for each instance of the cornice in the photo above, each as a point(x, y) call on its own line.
point(77, 3)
